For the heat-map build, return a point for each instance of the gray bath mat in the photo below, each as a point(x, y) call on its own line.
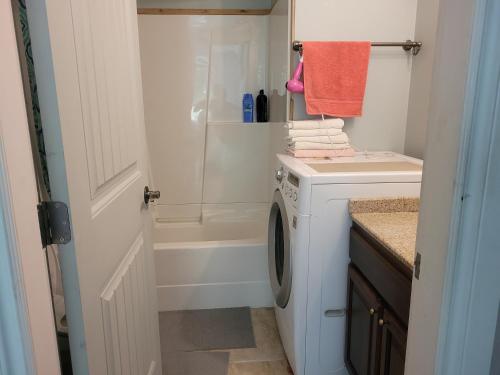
point(195, 330)
point(195, 363)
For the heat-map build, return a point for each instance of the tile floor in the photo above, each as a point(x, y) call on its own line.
point(268, 358)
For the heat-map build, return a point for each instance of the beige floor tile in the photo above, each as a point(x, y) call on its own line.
point(260, 368)
point(267, 339)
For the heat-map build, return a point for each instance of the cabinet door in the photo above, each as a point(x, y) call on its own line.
point(393, 345)
point(363, 312)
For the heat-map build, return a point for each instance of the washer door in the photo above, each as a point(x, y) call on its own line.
point(280, 254)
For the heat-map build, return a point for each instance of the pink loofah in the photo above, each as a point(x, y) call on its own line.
point(295, 85)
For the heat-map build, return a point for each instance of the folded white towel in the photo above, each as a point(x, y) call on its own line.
point(313, 132)
point(320, 146)
point(341, 138)
point(331, 123)
point(322, 153)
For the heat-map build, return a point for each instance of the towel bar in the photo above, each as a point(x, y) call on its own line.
point(409, 45)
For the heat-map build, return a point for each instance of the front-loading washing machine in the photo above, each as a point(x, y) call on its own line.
point(308, 242)
point(285, 224)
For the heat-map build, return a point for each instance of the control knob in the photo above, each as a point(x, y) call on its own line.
point(280, 174)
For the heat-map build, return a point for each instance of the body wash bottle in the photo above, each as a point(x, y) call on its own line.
point(247, 107)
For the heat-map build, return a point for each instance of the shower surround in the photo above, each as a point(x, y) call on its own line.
point(214, 172)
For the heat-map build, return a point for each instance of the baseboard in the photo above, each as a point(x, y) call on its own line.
point(216, 295)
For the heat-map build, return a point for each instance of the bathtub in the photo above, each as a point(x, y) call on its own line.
point(218, 261)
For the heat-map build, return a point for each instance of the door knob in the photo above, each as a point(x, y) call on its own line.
point(150, 195)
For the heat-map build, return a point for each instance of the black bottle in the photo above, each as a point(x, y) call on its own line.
point(262, 111)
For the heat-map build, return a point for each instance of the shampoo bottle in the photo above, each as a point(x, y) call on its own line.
point(262, 111)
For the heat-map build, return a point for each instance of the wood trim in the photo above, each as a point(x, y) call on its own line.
point(203, 12)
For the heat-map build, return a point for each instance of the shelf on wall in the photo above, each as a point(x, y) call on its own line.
point(239, 123)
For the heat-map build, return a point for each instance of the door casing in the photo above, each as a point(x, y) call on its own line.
point(36, 345)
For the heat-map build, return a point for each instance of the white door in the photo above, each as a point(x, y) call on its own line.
point(87, 64)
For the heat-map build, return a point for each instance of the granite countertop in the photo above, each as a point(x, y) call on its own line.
point(392, 221)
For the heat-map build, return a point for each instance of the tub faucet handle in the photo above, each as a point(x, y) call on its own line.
point(150, 195)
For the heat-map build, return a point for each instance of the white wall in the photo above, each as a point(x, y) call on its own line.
point(279, 71)
point(383, 124)
point(421, 78)
point(279, 60)
point(195, 69)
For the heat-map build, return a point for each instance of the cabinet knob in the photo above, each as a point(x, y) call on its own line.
point(372, 311)
point(381, 322)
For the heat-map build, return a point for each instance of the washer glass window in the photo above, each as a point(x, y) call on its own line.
point(279, 247)
point(279, 251)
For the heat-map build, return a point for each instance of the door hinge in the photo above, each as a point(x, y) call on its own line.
point(54, 223)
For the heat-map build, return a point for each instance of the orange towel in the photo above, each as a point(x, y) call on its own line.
point(335, 77)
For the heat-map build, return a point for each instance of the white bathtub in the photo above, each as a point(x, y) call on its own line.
point(220, 261)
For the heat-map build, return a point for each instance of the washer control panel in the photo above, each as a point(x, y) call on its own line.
point(288, 184)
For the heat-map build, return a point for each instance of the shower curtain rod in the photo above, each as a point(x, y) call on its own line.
point(408, 45)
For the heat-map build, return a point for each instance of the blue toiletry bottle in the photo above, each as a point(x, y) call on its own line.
point(247, 107)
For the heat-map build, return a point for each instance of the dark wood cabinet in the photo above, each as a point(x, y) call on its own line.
point(378, 301)
point(392, 345)
point(363, 313)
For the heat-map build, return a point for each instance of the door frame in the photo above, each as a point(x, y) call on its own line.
point(36, 343)
point(457, 158)
point(38, 20)
point(454, 353)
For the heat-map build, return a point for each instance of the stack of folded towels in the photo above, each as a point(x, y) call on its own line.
point(318, 139)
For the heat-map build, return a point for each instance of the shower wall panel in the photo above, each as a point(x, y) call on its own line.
point(194, 69)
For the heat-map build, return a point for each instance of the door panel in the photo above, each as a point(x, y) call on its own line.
point(362, 333)
point(123, 303)
point(393, 346)
point(103, 37)
point(96, 135)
